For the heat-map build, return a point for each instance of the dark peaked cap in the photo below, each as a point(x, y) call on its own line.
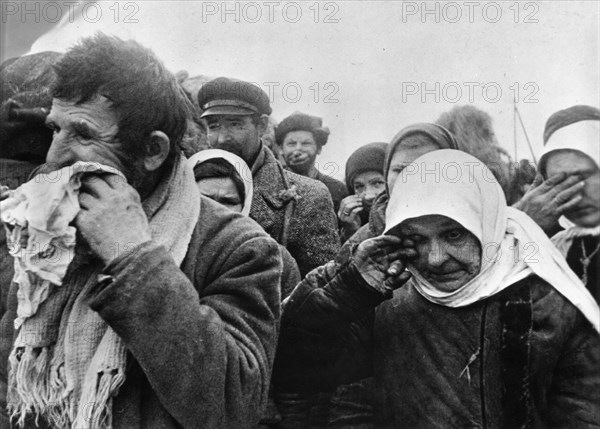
point(299, 121)
point(225, 96)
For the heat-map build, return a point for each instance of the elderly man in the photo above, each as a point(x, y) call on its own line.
point(166, 316)
point(295, 210)
point(301, 138)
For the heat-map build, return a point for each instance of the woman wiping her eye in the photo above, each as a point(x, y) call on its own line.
point(572, 148)
point(462, 311)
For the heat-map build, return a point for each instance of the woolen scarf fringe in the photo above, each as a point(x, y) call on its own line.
point(67, 363)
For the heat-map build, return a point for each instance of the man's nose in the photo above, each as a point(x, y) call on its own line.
point(59, 151)
point(223, 136)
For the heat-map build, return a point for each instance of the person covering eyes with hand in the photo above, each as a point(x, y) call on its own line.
point(488, 322)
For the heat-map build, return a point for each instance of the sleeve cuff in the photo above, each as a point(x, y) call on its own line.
point(357, 293)
point(123, 259)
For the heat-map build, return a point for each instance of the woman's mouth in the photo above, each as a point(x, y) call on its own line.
point(447, 276)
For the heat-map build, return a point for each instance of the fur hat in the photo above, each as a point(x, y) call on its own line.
point(299, 121)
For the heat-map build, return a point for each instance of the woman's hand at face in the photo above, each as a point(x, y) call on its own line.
point(548, 200)
point(380, 261)
point(349, 212)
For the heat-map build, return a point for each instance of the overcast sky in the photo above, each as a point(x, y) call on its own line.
point(368, 68)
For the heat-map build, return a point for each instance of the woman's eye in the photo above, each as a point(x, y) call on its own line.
point(414, 238)
point(455, 234)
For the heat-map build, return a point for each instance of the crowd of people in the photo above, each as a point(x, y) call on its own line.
point(174, 258)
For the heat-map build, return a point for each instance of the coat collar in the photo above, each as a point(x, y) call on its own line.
point(269, 181)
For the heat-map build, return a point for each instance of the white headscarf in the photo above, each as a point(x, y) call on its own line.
point(238, 163)
point(454, 184)
point(584, 137)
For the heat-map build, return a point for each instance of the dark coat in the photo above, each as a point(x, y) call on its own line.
point(574, 259)
point(336, 188)
point(296, 211)
point(201, 339)
point(524, 356)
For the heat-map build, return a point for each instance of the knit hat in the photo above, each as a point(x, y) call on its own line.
point(299, 121)
point(369, 157)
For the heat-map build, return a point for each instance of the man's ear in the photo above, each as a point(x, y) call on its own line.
point(157, 150)
point(262, 125)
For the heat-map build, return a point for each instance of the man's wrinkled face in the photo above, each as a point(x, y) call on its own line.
point(368, 185)
point(449, 255)
point(587, 212)
point(84, 132)
point(235, 134)
point(300, 150)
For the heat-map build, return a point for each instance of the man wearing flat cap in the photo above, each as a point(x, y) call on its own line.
point(296, 211)
point(301, 138)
